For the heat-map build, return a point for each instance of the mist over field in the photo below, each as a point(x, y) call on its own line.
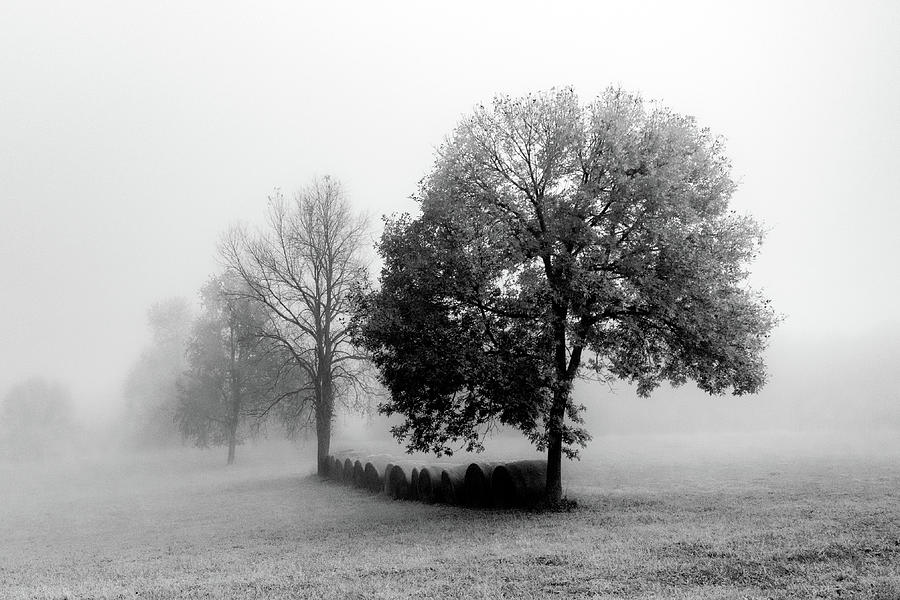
point(841, 388)
point(174, 181)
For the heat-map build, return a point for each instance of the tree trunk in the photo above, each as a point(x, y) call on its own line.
point(566, 368)
point(231, 445)
point(554, 470)
point(324, 412)
point(323, 443)
point(235, 413)
point(554, 444)
point(233, 426)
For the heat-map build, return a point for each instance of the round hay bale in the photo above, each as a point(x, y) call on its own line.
point(396, 483)
point(347, 471)
point(427, 486)
point(359, 473)
point(398, 479)
point(477, 483)
point(342, 456)
point(387, 472)
point(518, 484)
point(373, 476)
point(414, 484)
point(337, 469)
point(451, 487)
point(371, 479)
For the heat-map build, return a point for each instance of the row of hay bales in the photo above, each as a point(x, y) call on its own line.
point(480, 484)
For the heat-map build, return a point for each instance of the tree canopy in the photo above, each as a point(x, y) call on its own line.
point(233, 370)
point(559, 240)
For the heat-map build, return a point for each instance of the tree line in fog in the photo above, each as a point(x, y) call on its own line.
point(555, 240)
point(270, 346)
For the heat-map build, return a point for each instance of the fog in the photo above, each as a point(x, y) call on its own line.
point(822, 400)
point(134, 135)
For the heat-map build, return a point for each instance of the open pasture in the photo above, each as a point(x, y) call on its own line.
point(651, 523)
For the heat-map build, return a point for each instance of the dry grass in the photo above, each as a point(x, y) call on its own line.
point(182, 525)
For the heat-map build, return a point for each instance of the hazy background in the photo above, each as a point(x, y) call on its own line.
point(133, 134)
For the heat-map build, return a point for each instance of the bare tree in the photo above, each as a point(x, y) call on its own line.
point(302, 267)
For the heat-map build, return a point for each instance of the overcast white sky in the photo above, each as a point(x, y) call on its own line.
point(133, 134)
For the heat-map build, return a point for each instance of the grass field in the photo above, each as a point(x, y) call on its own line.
point(653, 521)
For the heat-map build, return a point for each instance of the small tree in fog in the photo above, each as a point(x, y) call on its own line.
point(36, 419)
point(232, 369)
point(558, 240)
point(151, 387)
point(302, 267)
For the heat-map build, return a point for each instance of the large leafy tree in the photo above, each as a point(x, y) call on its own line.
point(559, 240)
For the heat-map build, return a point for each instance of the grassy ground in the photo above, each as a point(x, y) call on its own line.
point(649, 525)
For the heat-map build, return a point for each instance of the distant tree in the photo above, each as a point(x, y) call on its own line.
point(151, 387)
point(232, 368)
point(302, 268)
point(558, 240)
point(36, 419)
